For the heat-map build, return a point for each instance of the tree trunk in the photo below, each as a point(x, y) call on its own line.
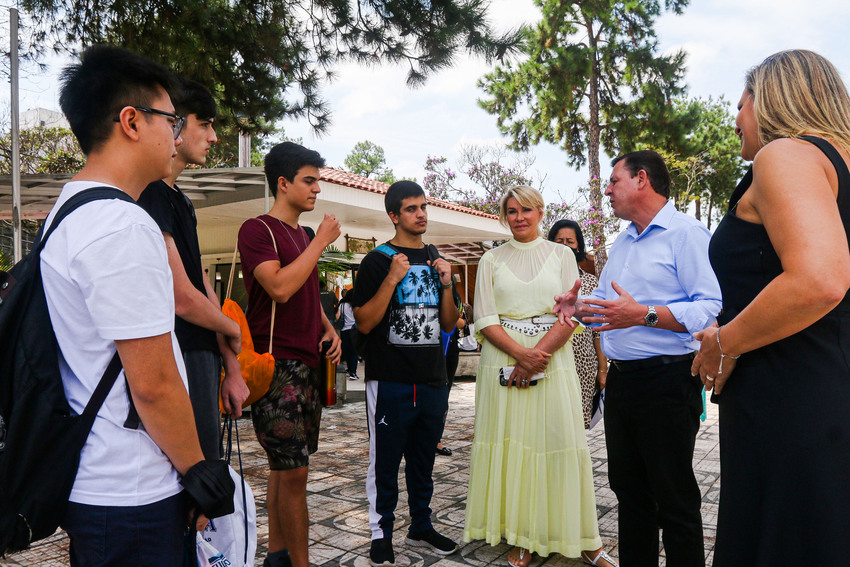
point(597, 230)
point(698, 212)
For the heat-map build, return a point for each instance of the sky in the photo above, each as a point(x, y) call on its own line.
point(722, 39)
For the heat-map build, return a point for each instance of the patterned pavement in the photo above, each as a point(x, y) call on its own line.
point(339, 533)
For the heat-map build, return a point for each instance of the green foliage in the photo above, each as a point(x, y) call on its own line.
point(43, 150)
point(367, 159)
point(707, 165)
point(333, 261)
point(29, 230)
point(590, 78)
point(268, 60)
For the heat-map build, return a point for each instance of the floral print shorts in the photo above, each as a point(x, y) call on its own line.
point(288, 416)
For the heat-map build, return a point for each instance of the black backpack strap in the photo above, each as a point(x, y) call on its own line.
point(133, 420)
point(103, 388)
point(114, 366)
point(72, 204)
point(433, 253)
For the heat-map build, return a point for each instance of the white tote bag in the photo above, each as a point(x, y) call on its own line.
point(468, 343)
point(234, 535)
point(208, 556)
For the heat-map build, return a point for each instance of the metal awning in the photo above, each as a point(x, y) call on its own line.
point(225, 197)
point(464, 252)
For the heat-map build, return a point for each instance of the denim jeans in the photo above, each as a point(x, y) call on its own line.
point(127, 536)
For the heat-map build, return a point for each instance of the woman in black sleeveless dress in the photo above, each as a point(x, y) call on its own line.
point(781, 257)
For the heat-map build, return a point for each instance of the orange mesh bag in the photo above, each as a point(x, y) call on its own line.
point(257, 369)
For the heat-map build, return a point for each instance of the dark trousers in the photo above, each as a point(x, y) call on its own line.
point(349, 353)
point(452, 360)
point(127, 536)
point(651, 422)
point(404, 421)
point(203, 374)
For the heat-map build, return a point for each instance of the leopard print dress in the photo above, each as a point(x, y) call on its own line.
point(587, 363)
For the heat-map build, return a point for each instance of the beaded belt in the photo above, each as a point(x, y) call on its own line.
point(530, 326)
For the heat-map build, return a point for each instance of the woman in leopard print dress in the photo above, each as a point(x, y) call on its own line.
point(591, 364)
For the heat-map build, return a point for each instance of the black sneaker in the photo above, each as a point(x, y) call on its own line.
point(278, 559)
point(439, 544)
point(381, 553)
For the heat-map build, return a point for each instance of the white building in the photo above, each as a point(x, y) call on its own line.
point(35, 117)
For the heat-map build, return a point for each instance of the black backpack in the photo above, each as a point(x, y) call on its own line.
point(40, 435)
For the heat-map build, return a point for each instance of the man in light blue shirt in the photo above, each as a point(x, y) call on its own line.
point(656, 290)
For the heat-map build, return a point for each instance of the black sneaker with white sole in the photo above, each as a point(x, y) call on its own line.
point(381, 553)
point(439, 544)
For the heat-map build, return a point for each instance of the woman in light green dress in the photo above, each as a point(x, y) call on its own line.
point(531, 480)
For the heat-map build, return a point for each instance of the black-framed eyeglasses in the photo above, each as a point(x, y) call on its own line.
point(177, 125)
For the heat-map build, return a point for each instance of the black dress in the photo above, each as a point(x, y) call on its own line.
point(784, 417)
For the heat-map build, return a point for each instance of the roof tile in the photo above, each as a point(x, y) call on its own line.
point(347, 179)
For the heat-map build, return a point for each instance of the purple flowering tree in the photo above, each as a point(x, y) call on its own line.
point(597, 222)
point(485, 169)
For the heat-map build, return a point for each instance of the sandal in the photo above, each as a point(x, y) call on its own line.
point(523, 557)
point(585, 556)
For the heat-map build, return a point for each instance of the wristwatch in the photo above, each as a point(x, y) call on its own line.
point(651, 318)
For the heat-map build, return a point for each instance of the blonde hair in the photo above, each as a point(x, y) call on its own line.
point(526, 196)
point(798, 92)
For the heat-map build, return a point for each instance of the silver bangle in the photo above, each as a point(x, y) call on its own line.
point(722, 356)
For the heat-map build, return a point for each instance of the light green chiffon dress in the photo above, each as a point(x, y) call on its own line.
point(530, 480)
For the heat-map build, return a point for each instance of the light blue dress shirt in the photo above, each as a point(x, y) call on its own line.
point(666, 265)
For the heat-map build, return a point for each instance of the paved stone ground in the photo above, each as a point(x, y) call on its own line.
point(339, 533)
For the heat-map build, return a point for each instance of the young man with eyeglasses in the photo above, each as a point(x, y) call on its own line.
point(279, 264)
point(108, 287)
point(205, 334)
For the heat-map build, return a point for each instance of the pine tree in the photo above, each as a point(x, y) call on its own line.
point(268, 59)
point(367, 159)
point(591, 79)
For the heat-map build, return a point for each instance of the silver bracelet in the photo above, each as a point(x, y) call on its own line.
point(722, 356)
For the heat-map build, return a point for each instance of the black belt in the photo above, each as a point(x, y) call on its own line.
point(651, 362)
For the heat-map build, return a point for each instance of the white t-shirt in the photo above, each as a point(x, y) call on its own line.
point(106, 278)
point(347, 315)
